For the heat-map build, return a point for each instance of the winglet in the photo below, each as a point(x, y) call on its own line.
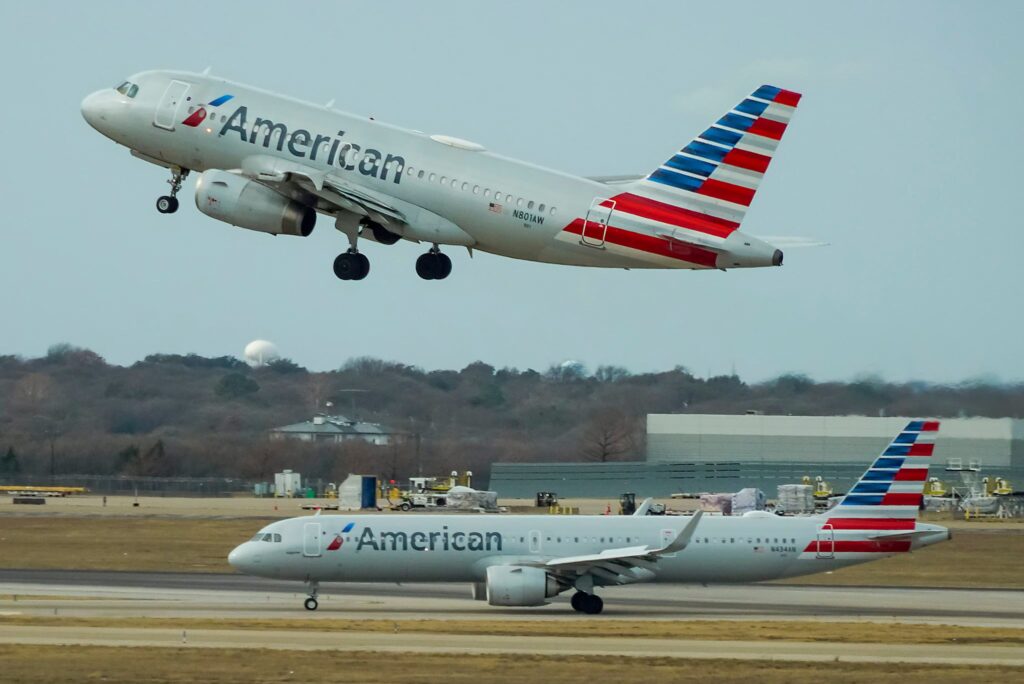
point(644, 507)
point(681, 541)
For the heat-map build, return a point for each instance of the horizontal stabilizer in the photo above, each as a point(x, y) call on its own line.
point(789, 242)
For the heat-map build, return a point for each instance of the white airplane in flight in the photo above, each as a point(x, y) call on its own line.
point(271, 163)
point(523, 560)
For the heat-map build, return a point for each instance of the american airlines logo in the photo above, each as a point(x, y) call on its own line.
point(442, 540)
point(304, 144)
point(199, 115)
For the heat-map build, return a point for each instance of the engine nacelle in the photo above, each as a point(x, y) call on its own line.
point(241, 202)
point(513, 585)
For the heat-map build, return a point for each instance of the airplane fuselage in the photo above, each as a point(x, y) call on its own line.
point(460, 548)
point(451, 192)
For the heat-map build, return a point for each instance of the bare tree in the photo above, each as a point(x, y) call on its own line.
point(609, 434)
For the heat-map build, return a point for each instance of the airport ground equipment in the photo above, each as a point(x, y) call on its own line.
point(287, 483)
point(627, 503)
point(935, 487)
point(546, 499)
point(33, 490)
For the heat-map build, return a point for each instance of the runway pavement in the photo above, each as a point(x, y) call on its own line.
point(128, 594)
point(971, 654)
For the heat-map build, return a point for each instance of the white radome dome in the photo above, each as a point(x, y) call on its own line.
point(260, 353)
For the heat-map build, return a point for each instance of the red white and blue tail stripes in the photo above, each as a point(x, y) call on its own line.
point(719, 171)
point(686, 209)
point(894, 484)
point(879, 513)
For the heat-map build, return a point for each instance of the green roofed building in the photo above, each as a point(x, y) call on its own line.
point(335, 429)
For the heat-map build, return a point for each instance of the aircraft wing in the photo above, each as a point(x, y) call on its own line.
point(291, 178)
point(623, 565)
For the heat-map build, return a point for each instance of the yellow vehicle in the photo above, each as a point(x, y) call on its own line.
point(822, 489)
point(997, 486)
point(935, 487)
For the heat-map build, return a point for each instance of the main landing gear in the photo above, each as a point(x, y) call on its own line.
point(433, 265)
point(311, 602)
point(591, 604)
point(351, 265)
point(168, 204)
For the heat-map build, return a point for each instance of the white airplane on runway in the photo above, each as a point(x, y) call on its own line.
point(523, 560)
point(271, 163)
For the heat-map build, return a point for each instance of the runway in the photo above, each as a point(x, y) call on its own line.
point(134, 594)
point(523, 645)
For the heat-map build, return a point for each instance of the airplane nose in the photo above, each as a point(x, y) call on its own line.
point(237, 558)
point(94, 108)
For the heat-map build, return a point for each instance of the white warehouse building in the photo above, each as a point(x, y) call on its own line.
point(721, 453)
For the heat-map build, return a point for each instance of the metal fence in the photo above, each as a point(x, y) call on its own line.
point(146, 486)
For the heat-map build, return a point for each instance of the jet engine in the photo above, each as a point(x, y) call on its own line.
point(241, 202)
point(513, 585)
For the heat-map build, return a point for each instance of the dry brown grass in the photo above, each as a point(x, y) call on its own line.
point(121, 543)
point(708, 630)
point(983, 557)
point(23, 664)
point(974, 558)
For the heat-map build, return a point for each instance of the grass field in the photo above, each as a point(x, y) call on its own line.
point(23, 664)
point(708, 630)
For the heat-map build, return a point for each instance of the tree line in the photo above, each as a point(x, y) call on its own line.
point(188, 415)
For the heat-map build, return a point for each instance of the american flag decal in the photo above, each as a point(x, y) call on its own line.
point(496, 208)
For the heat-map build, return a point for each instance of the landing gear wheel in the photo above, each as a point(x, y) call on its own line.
point(167, 204)
point(311, 603)
point(591, 604)
point(433, 266)
point(577, 601)
point(444, 266)
point(351, 266)
point(364, 266)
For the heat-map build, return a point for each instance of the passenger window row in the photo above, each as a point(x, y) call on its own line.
point(465, 186)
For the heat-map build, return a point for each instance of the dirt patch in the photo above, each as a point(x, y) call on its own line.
point(710, 630)
point(73, 664)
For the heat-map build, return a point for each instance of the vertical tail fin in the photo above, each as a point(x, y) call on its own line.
point(719, 171)
point(892, 489)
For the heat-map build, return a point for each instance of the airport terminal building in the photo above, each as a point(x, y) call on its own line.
point(693, 453)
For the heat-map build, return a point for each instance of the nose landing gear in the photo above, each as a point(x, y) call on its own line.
point(168, 204)
point(311, 602)
point(434, 265)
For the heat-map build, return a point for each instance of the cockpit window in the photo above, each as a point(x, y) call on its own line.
point(277, 537)
point(128, 88)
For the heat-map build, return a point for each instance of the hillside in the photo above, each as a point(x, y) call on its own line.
point(197, 416)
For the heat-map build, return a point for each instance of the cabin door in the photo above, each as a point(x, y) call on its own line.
point(826, 546)
point(535, 545)
point(311, 534)
point(166, 113)
point(595, 225)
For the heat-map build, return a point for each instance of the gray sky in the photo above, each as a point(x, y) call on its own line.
point(904, 155)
